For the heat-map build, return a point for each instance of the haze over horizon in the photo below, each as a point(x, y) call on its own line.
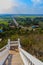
point(21, 6)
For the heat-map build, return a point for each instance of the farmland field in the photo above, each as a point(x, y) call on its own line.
point(2, 21)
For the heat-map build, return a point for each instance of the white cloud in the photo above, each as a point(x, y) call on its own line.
point(9, 6)
point(16, 7)
point(36, 1)
point(5, 5)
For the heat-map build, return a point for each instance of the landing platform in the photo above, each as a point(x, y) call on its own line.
point(14, 58)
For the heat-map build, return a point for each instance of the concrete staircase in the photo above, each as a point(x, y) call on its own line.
point(13, 54)
point(14, 58)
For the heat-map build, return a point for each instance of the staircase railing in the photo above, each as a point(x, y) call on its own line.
point(4, 52)
point(27, 58)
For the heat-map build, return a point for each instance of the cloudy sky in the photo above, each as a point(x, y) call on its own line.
point(21, 6)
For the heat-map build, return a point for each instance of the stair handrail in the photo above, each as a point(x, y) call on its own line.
point(27, 58)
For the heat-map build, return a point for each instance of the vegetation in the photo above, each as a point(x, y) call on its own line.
point(2, 21)
point(31, 38)
point(28, 21)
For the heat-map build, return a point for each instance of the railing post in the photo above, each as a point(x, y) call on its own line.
point(9, 43)
point(31, 63)
point(19, 46)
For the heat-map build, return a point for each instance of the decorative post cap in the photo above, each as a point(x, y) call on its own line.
point(8, 39)
point(18, 39)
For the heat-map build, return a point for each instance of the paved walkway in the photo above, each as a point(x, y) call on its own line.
point(14, 58)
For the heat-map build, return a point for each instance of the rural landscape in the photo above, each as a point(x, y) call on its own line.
point(28, 28)
point(21, 32)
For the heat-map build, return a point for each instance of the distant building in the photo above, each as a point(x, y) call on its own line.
point(1, 30)
point(35, 26)
point(12, 25)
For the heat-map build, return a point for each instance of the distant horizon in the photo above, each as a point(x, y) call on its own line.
point(22, 14)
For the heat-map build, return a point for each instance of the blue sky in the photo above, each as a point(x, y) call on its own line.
point(21, 6)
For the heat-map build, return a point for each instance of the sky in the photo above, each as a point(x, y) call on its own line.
point(21, 6)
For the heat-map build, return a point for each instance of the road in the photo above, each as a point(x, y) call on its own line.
point(15, 22)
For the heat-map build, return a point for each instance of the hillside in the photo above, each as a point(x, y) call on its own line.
point(31, 38)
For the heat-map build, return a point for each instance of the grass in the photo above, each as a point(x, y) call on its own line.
point(28, 16)
point(35, 39)
point(3, 43)
point(2, 21)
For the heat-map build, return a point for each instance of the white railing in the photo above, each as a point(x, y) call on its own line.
point(2, 48)
point(12, 43)
point(4, 52)
point(27, 58)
